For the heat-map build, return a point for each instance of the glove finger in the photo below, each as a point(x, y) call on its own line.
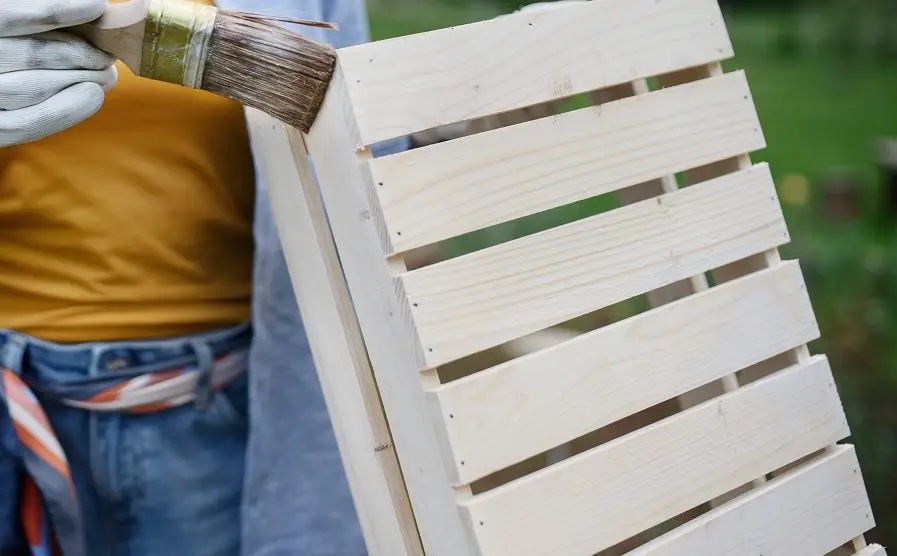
point(26, 88)
point(26, 17)
point(52, 50)
point(60, 112)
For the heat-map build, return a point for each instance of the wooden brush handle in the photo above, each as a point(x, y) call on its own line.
point(164, 40)
point(119, 31)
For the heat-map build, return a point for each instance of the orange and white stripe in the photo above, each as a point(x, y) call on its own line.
point(156, 391)
point(31, 423)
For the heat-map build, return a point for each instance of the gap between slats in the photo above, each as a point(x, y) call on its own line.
point(812, 509)
point(442, 191)
point(483, 299)
point(596, 499)
point(521, 408)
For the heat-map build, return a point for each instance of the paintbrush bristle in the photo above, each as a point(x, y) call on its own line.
point(265, 66)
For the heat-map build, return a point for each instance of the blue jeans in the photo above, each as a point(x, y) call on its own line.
point(149, 484)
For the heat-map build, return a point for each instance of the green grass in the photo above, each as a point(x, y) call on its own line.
point(817, 114)
point(814, 120)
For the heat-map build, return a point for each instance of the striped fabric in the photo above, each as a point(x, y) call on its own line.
point(50, 511)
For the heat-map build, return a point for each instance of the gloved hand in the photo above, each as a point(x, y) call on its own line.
point(50, 80)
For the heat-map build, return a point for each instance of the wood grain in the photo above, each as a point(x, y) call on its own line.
point(810, 511)
point(604, 496)
point(441, 191)
point(480, 300)
point(423, 81)
point(526, 406)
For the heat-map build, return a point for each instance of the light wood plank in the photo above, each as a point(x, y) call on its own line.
point(529, 405)
point(604, 496)
point(409, 84)
point(341, 363)
point(477, 301)
point(448, 189)
point(812, 510)
point(385, 325)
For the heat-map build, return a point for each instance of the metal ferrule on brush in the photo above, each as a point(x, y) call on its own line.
point(176, 42)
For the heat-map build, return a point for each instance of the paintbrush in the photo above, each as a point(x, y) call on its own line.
point(244, 57)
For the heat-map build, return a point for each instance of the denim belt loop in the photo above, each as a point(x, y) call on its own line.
point(205, 364)
point(12, 355)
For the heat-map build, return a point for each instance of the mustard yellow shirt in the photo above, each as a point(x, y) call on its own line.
point(134, 224)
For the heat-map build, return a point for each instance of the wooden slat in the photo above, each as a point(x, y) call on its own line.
point(409, 84)
point(610, 493)
point(448, 189)
point(504, 415)
point(477, 301)
point(811, 511)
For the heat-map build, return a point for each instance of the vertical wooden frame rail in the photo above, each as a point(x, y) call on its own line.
point(450, 437)
point(341, 360)
point(339, 157)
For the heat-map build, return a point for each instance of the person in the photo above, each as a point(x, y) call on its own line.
point(143, 293)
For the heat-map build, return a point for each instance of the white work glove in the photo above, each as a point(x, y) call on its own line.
point(50, 80)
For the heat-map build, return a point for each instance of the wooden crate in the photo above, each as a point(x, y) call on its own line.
point(556, 451)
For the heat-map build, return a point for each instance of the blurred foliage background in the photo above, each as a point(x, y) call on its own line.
point(824, 78)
